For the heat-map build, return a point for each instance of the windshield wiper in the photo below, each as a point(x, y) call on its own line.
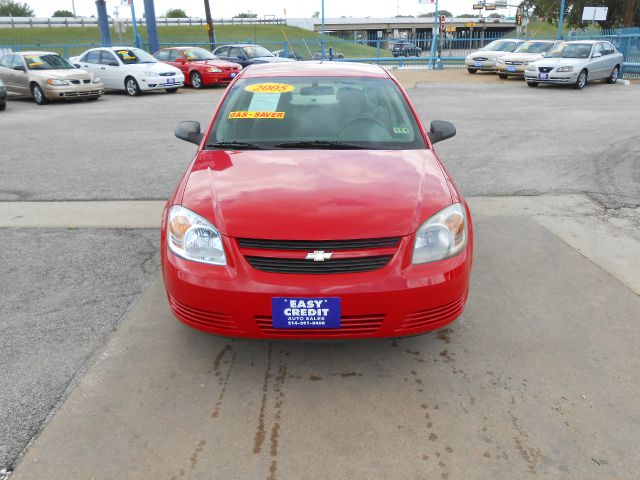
point(321, 144)
point(237, 145)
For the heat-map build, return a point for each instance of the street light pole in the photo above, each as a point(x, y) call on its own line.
point(561, 20)
point(323, 41)
point(433, 37)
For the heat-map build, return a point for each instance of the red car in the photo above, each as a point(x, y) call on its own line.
point(199, 66)
point(316, 208)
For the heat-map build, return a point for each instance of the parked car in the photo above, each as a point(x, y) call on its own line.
point(379, 243)
point(515, 63)
point(405, 49)
point(247, 54)
point(288, 54)
point(130, 69)
point(484, 60)
point(576, 63)
point(328, 55)
point(3, 96)
point(200, 67)
point(47, 76)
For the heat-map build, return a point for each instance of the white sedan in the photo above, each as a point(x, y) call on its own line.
point(129, 69)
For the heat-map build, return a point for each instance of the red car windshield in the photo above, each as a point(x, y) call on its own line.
point(315, 112)
point(197, 54)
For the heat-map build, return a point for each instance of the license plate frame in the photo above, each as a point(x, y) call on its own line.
point(305, 312)
point(543, 76)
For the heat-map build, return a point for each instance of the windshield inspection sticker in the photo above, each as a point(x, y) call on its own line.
point(305, 312)
point(276, 115)
point(269, 88)
point(401, 130)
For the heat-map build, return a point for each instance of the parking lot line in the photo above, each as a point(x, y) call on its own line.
point(191, 404)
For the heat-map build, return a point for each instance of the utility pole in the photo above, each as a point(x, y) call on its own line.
point(323, 43)
point(561, 20)
point(434, 36)
point(628, 14)
point(210, 31)
point(73, 6)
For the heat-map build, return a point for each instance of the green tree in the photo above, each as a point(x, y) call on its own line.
point(467, 15)
point(246, 15)
point(176, 13)
point(62, 13)
point(496, 15)
point(549, 11)
point(10, 8)
point(315, 15)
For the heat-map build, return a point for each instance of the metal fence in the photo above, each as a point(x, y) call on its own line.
point(450, 52)
point(46, 22)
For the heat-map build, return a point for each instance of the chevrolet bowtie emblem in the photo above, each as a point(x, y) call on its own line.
point(319, 256)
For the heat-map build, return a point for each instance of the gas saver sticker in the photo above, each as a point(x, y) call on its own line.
point(270, 88)
point(276, 115)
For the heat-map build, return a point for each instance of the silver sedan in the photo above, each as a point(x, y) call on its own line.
point(576, 63)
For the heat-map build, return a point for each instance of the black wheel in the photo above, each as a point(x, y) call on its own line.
point(38, 94)
point(3, 106)
point(196, 80)
point(171, 90)
point(131, 87)
point(92, 99)
point(532, 84)
point(615, 73)
point(503, 76)
point(581, 81)
point(472, 70)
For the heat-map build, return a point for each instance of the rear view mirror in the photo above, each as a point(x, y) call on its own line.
point(441, 130)
point(189, 131)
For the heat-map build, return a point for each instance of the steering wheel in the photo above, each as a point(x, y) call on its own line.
point(364, 118)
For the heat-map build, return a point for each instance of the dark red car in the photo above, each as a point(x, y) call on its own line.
point(199, 66)
point(316, 208)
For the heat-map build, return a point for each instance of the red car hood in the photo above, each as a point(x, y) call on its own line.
point(316, 194)
point(216, 63)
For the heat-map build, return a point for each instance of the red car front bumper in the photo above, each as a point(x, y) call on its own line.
point(396, 300)
point(213, 78)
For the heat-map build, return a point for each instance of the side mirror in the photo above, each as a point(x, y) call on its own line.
point(189, 131)
point(596, 55)
point(182, 60)
point(441, 130)
point(20, 68)
point(77, 65)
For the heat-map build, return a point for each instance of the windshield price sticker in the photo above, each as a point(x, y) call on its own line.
point(276, 115)
point(261, 102)
point(305, 312)
point(269, 88)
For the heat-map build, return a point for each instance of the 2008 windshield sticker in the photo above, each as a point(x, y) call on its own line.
point(269, 88)
point(275, 115)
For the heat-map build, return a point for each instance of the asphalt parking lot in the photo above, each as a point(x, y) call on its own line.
point(537, 379)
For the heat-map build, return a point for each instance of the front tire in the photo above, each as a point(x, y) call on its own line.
point(472, 70)
point(581, 81)
point(38, 94)
point(131, 87)
point(3, 106)
point(615, 73)
point(503, 76)
point(196, 80)
point(532, 84)
point(92, 99)
point(171, 90)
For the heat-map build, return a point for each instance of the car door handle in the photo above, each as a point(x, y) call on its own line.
point(103, 68)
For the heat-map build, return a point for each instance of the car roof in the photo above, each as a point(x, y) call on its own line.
point(35, 52)
point(590, 42)
point(315, 68)
point(238, 45)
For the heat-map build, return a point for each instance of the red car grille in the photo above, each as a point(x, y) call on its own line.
point(347, 256)
point(355, 325)
point(425, 318)
point(204, 318)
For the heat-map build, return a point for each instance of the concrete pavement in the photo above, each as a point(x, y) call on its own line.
point(537, 379)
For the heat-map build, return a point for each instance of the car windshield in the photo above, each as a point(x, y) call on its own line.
point(131, 56)
point(256, 51)
point(198, 54)
point(49, 61)
point(315, 112)
point(570, 50)
point(534, 47)
point(501, 46)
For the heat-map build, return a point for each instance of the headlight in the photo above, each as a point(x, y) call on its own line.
point(500, 60)
point(213, 70)
point(192, 237)
point(97, 79)
point(57, 83)
point(530, 68)
point(564, 69)
point(493, 59)
point(468, 58)
point(525, 63)
point(442, 236)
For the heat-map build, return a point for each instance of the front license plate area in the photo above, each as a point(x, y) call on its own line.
point(233, 74)
point(543, 76)
point(511, 69)
point(478, 64)
point(311, 313)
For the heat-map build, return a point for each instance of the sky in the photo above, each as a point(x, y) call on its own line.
point(294, 8)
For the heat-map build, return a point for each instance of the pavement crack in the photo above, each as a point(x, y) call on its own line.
point(260, 429)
